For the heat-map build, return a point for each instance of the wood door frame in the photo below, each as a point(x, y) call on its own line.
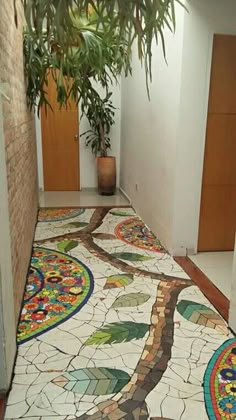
point(40, 151)
point(204, 132)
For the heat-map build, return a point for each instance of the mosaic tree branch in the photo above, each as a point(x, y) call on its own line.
point(153, 362)
point(103, 255)
point(86, 237)
point(95, 222)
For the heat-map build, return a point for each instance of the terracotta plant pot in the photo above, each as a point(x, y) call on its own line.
point(106, 175)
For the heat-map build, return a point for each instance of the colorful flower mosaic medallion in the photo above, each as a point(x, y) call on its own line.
point(57, 215)
point(134, 232)
point(58, 286)
point(220, 383)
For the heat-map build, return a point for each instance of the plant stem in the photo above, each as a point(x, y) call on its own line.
point(102, 140)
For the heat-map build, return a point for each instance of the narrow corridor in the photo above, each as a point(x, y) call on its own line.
point(111, 327)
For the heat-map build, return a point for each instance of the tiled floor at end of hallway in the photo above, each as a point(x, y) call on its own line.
point(113, 328)
point(87, 197)
point(217, 266)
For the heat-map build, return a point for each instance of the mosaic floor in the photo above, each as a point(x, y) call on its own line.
point(112, 328)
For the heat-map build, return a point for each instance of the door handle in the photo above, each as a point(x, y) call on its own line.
point(76, 137)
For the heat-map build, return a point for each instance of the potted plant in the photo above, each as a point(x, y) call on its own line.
point(100, 114)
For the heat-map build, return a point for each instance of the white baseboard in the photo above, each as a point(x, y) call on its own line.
point(191, 251)
point(178, 252)
point(126, 195)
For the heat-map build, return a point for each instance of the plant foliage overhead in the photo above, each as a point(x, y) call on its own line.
point(142, 19)
point(91, 55)
point(89, 38)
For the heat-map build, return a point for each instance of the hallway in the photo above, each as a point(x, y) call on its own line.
point(113, 328)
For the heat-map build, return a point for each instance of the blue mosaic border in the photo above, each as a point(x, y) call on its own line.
point(207, 377)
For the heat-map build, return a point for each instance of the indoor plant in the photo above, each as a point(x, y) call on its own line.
point(55, 27)
point(89, 40)
point(90, 55)
point(100, 114)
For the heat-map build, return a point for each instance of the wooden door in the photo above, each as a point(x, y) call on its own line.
point(60, 144)
point(218, 202)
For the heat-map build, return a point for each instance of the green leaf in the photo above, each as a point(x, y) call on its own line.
point(131, 299)
point(201, 315)
point(119, 280)
point(118, 332)
point(121, 213)
point(130, 256)
point(67, 246)
point(74, 225)
point(93, 381)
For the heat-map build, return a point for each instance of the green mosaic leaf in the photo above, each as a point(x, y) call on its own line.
point(118, 332)
point(131, 299)
point(74, 225)
point(93, 381)
point(121, 213)
point(130, 256)
point(201, 315)
point(119, 280)
point(67, 246)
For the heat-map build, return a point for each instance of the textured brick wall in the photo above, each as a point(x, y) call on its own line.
point(20, 145)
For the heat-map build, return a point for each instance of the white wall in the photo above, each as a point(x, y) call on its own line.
point(39, 151)
point(7, 313)
point(88, 172)
point(163, 141)
point(205, 18)
point(148, 135)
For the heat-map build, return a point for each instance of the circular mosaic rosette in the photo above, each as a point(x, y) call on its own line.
point(57, 287)
point(34, 283)
point(134, 232)
point(220, 383)
point(57, 215)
